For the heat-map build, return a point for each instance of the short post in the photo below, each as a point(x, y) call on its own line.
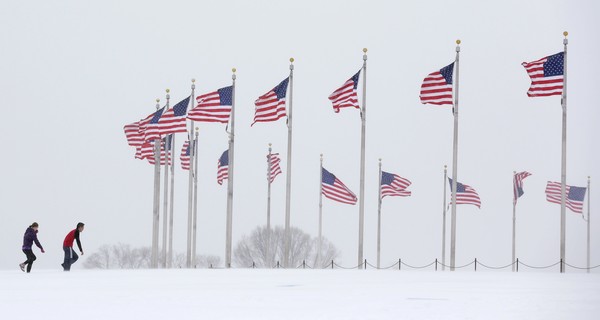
point(253, 265)
point(277, 264)
point(562, 267)
point(331, 264)
point(365, 264)
point(399, 264)
point(211, 266)
point(517, 264)
point(475, 264)
point(303, 264)
point(436, 264)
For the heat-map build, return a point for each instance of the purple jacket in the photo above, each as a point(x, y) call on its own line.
point(28, 239)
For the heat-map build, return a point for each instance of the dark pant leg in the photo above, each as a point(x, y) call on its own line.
point(30, 258)
point(74, 256)
point(67, 261)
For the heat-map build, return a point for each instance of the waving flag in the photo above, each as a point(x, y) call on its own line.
point(394, 185)
point(346, 96)
point(185, 155)
point(271, 105)
point(223, 167)
point(546, 75)
point(150, 127)
point(574, 196)
point(465, 194)
point(174, 119)
point(214, 106)
point(275, 168)
point(518, 184)
point(437, 87)
point(133, 135)
point(335, 190)
point(146, 151)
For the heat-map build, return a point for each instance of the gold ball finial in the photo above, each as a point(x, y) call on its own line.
point(565, 33)
point(445, 167)
point(197, 128)
point(292, 60)
point(270, 144)
point(233, 70)
point(365, 50)
point(379, 159)
point(168, 90)
point(193, 80)
point(458, 41)
point(321, 155)
point(157, 100)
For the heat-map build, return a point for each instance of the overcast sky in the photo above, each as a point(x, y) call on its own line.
point(73, 73)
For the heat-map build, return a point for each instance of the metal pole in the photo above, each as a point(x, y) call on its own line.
point(288, 181)
point(169, 257)
point(361, 205)
point(514, 224)
point(454, 163)
point(230, 178)
point(163, 259)
point(320, 213)
point(156, 204)
point(379, 219)
point(563, 165)
point(188, 256)
point(267, 251)
point(195, 214)
point(588, 224)
point(444, 220)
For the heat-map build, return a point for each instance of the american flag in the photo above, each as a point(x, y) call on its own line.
point(518, 184)
point(271, 105)
point(146, 151)
point(150, 127)
point(465, 194)
point(213, 107)
point(275, 168)
point(437, 87)
point(185, 155)
point(346, 96)
point(394, 185)
point(133, 135)
point(174, 119)
point(223, 167)
point(334, 189)
point(574, 196)
point(546, 75)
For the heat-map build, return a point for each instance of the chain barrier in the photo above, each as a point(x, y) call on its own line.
point(582, 268)
point(421, 267)
point(496, 268)
point(536, 267)
point(459, 267)
point(341, 267)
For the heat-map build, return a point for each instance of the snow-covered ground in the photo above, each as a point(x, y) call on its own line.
point(297, 294)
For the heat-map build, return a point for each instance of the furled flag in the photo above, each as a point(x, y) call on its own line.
point(223, 167)
point(185, 155)
point(574, 196)
point(271, 105)
point(346, 96)
point(546, 75)
point(275, 168)
point(465, 194)
point(174, 119)
point(335, 190)
point(150, 128)
point(394, 185)
point(213, 107)
point(437, 87)
point(133, 135)
point(518, 184)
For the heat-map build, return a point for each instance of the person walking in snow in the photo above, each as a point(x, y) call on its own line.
point(29, 238)
point(70, 255)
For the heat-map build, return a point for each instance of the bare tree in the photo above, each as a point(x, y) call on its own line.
point(100, 259)
point(251, 250)
point(123, 256)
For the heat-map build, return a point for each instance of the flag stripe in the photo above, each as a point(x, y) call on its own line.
point(335, 190)
point(572, 201)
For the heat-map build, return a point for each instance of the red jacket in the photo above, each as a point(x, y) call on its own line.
point(72, 236)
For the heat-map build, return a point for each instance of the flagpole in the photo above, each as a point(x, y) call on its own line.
point(188, 255)
point(361, 206)
point(319, 262)
point(165, 196)
point(444, 210)
point(267, 253)
point(288, 181)
point(379, 219)
point(588, 224)
point(230, 178)
point(156, 204)
point(169, 257)
point(195, 215)
point(454, 164)
point(563, 173)
point(514, 224)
